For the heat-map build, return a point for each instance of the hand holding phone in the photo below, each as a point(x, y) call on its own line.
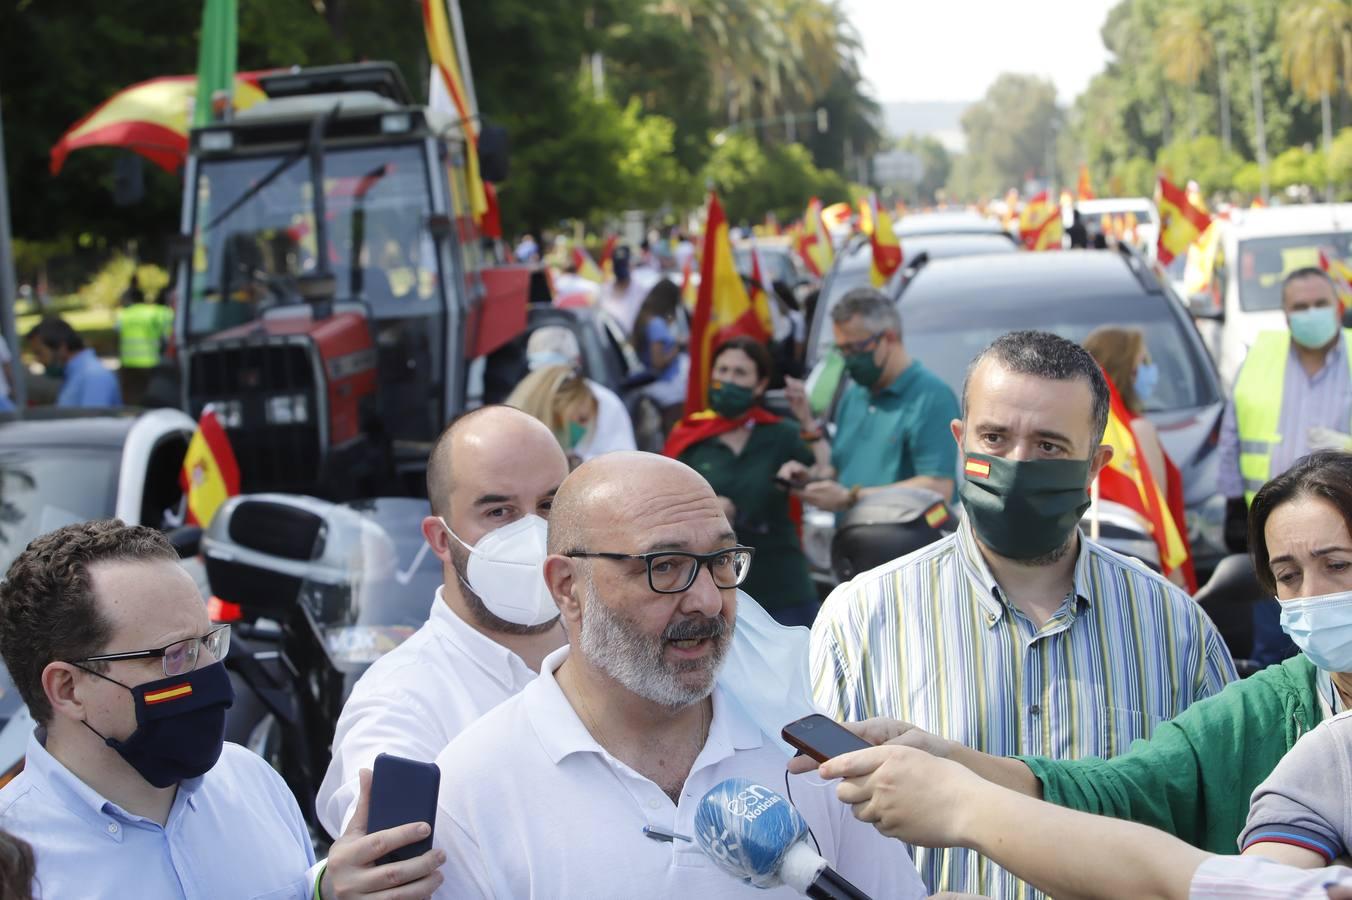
point(821, 738)
point(403, 791)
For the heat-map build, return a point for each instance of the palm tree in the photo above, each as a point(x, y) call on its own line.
point(1183, 49)
point(1316, 39)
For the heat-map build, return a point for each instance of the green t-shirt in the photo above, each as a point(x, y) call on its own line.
point(779, 573)
point(898, 433)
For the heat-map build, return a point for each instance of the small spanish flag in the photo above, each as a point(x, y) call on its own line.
point(977, 468)
point(164, 695)
point(937, 514)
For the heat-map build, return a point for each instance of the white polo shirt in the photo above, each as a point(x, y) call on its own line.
point(531, 806)
point(413, 701)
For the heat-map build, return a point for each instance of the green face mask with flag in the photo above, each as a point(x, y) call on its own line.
point(731, 401)
point(1023, 509)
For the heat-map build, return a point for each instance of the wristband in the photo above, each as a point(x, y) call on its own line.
point(810, 436)
point(854, 495)
point(319, 880)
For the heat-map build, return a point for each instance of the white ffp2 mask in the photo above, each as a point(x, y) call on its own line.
point(506, 570)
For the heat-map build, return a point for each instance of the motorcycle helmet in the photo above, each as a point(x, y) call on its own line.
point(887, 525)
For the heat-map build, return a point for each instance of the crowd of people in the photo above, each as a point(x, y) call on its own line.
point(1047, 715)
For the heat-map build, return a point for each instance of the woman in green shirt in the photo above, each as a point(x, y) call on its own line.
point(740, 448)
point(1193, 777)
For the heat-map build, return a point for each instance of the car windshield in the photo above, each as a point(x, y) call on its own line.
point(255, 232)
point(43, 489)
point(1264, 262)
point(947, 336)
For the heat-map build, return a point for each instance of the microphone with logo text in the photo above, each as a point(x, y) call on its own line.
point(757, 837)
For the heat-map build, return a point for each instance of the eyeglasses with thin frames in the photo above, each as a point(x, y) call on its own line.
point(180, 657)
point(863, 346)
point(675, 571)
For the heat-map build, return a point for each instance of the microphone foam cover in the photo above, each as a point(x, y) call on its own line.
point(746, 829)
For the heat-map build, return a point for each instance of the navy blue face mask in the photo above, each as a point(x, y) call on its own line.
point(180, 724)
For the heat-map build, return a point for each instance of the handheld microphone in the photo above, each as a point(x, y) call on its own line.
point(757, 837)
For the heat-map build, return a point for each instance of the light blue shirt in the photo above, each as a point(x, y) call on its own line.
point(234, 833)
point(88, 382)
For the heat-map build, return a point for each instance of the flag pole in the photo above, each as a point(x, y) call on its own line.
point(462, 53)
point(8, 293)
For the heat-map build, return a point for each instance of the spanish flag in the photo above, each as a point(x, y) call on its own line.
point(607, 257)
point(1181, 222)
point(723, 308)
point(814, 244)
point(586, 266)
point(689, 293)
point(1040, 223)
point(1341, 275)
point(149, 118)
point(866, 217)
point(1127, 480)
point(210, 473)
point(887, 255)
point(1084, 190)
point(838, 215)
point(441, 49)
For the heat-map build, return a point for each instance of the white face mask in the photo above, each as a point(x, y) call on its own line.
point(506, 570)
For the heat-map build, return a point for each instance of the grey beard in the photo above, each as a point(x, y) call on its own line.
point(479, 611)
point(1051, 557)
point(614, 646)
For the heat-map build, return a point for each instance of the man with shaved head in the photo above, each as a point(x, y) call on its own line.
point(586, 783)
point(491, 478)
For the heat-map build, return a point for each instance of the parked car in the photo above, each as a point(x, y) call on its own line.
point(59, 467)
point(855, 259)
point(949, 314)
point(1259, 248)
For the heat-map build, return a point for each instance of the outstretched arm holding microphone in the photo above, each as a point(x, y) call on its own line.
point(914, 796)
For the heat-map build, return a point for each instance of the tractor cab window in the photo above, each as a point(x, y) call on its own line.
point(255, 234)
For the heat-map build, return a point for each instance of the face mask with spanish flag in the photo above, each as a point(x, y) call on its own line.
point(180, 724)
point(1025, 508)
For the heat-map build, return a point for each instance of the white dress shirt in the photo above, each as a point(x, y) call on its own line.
point(1256, 878)
point(531, 806)
point(234, 833)
point(413, 701)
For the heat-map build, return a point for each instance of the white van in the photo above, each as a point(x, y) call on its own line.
point(1259, 248)
point(1094, 212)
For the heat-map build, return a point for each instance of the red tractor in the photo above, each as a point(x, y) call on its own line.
point(336, 308)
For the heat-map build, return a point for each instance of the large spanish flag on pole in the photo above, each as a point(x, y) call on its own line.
point(1181, 222)
point(441, 48)
point(1127, 480)
point(1084, 189)
point(217, 57)
point(814, 244)
point(723, 309)
point(149, 118)
point(887, 255)
point(210, 473)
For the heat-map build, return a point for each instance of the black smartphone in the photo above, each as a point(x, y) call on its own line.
point(821, 738)
point(403, 791)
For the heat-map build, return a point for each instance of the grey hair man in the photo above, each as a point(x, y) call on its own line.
point(891, 421)
point(1017, 635)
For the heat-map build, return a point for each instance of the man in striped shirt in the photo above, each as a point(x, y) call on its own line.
point(1018, 635)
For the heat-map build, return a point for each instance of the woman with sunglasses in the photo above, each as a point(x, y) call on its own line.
point(740, 448)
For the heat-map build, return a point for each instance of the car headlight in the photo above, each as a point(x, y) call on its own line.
point(358, 644)
point(288, 409)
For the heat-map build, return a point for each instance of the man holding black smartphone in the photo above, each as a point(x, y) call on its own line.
point(128, 787)
point(586, 783)
point(491, 478)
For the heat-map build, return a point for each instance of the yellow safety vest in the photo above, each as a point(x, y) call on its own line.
point(1258, 404)
point(142, 327)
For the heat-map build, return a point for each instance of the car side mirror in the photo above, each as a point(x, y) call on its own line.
point(187, 540)
point(1204, 306)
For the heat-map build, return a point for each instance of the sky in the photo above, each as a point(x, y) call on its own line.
point(953, 49)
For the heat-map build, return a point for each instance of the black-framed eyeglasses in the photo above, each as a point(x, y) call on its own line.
point(674, 571)
point(863, 346)
point(180, 657)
